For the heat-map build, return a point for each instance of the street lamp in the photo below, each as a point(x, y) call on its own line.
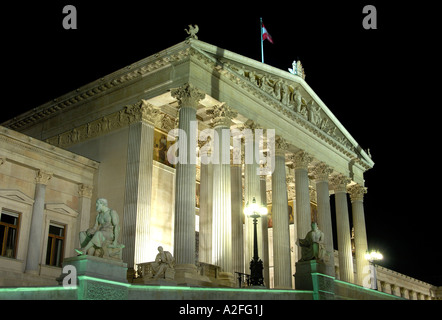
point(372, 257)
point(255, 211)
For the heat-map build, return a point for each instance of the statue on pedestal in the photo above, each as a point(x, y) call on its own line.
point(102, 239)
point(312, 246)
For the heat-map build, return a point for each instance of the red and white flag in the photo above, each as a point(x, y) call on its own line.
point(266, 35)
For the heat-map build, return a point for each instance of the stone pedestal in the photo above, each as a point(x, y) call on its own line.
point(107, 269)
point(98, 278)
point(315, 276)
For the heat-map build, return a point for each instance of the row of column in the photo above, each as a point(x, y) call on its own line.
point(221, 209)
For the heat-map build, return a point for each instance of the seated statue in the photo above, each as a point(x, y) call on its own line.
point(162, 267)
point(312, 246)
point(101, 240)
point(163, 261)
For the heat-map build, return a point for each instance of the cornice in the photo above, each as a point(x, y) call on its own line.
point(104, 85)
point(21, 141)
point(312, 116)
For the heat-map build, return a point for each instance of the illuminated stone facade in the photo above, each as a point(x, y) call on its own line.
point(110, 139)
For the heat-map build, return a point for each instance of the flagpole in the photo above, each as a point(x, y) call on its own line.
point(262, 42)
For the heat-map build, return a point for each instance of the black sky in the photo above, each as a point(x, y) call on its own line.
point(376, 82)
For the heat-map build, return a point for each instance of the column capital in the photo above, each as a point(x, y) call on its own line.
point(281, 146)
point(187, 95)
point(43, 177)
point(339, 182)
point(356, 192)
point(250, 124)
point(142, 111)
point(85, 191)
point(321, 172)
point(222, 115)
point(301, 160)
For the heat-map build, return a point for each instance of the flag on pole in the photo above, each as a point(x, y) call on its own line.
point(266, 34)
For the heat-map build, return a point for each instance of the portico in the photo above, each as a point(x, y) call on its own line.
point(194, 82)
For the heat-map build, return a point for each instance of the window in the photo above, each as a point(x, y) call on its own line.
point(55, 248)
point(9, 225)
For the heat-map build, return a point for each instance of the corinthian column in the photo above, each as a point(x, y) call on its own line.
point(321, 172)
point(184, 227)
point(303, 214)
point(281, 233)
point(339, 183)
point(138, 190)
point(251, 190)
point(36, 231)
point(206, 193)
point(265, 232)
point(221, 201)
point(362, 266)
point(237, 218)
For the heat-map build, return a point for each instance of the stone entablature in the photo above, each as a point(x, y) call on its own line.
point(287, 95)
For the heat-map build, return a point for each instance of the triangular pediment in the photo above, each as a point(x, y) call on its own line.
point(287, 93)
point(16, 195)
point(61, 208)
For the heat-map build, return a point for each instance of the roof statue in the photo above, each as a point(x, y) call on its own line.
point(192, 31)
point(297, 69)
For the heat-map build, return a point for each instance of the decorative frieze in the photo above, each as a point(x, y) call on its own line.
point(285, 97)
point(139, 111)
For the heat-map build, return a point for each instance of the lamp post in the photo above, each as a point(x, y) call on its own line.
point(372, 257)
point(256, 265)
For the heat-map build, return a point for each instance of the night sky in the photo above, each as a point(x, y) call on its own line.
point(376, 82)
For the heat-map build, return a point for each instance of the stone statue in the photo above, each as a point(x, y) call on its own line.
point(312, 246)
point(297, 69)
point(101, 240)
point(193, 30)
point(163, 261)
point(293, 69)
point(162, 267)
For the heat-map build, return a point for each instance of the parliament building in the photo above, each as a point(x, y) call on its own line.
point(116, 139)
